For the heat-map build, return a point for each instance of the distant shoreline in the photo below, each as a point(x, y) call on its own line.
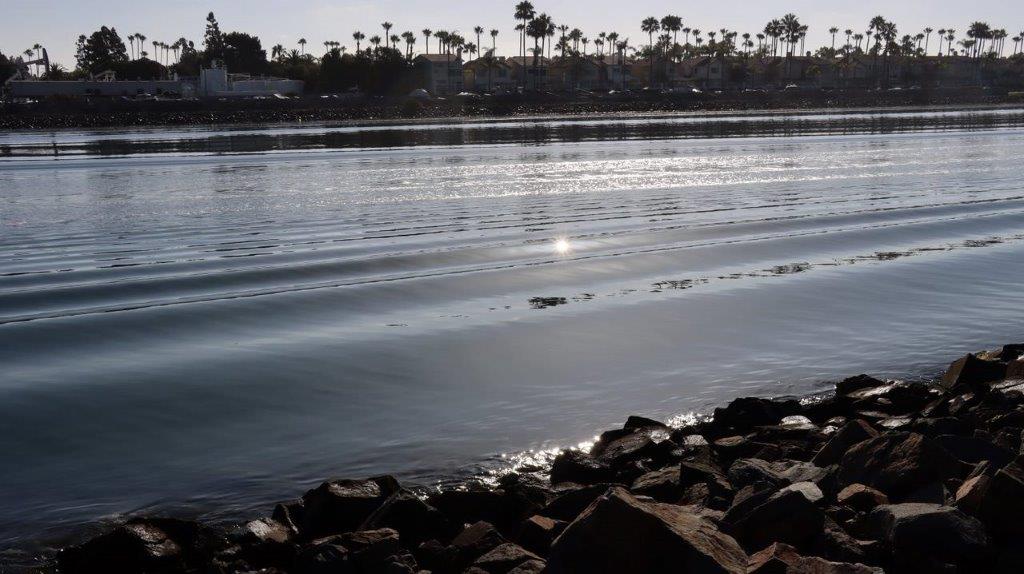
point(120, 114)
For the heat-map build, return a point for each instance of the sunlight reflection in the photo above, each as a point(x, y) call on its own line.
point(562, 246)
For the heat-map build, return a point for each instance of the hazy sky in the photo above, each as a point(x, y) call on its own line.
point(57, 23)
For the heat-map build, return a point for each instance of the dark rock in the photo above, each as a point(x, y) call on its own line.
point(661, 485)
point(850, 434)
point(930, 533)
point(786, 516)
point(743, 414)
point(415, 520)
point(504, 558)
point(647, 443)
point(971, 494)
point(570, 502)
point(266, 541)
point(635, 423)
point(858, 383)
point(1003, 502)
point(290, 514)
point(1011, 352)
point(581, 468)
point(475, 541)
point(934, 492)
point(505, 510)
point(369, 549)
point(324, 556)
point(861, 497)
point(973, 450)
point(619, 533)
point(754, 471)
point(538, 532)
point(691, 473)
point(144, 545)
point(973, 373)
point(897, 464)
point(784, 559)
point(529, 567)
point(342, 505)
point(732, 447)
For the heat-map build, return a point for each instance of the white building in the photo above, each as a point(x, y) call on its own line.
point(217, 83)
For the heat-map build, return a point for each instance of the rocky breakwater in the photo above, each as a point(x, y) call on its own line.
point(877, 477)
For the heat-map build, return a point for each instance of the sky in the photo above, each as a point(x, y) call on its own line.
point(57, 23)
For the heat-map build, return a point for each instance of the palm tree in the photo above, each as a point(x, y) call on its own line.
point(927, 39)
point(833, 30)
point(478, 30)
point(358, 37)
point(674, 24)
point(375, 40)
point(426, 38)
point(650, 25)
point(387, 30)
point(302, 46)
point(494, 41)
point(524, 13)
point(142, 42)
point(394, 41)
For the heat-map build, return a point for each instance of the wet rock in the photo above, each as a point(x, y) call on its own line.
point(858, 383)
point(324, 556)
point(581, 468)
point(850, 434)
point(929, 533)
point(972, 373)
point(266, 541)
point(743, 414)
point(784, 559)
point(144, 545)
point(415, 520)
point(973, 450)
point(369, 549)
point(691, 473)
point(494, 506)
point(538, 532)
point(342, 505)
point(636, 422)
point(289, 514)
point(754, 471)
point(641, 444)
point(897, 464)
point(861, 497)
point(619, 533)
point(971, 494)
point(529, 567)
point(504, 558)
point(786, 516)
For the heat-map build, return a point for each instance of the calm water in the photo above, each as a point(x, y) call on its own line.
point(205, 321)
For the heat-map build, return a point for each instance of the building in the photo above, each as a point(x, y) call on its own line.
point(217, 83)
point(491, 75)
point(440, 74)
point(99, 88)
point(530, 72)
point(569, 74)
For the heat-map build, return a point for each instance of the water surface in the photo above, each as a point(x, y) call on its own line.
point(207, 320)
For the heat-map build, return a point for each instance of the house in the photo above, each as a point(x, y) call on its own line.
point(488, 74)
point(440, 74)
point(618, 73)
point(703, 71)
point(583, 73)
point(530, 72)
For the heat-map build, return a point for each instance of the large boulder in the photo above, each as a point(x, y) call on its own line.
point(1002, 507)
point(581, 468)
point(972, 373)
point(503, 558)
point(784, 559)
point(858, 383)
point(619, 533)
point(921, 533)
point(861, 497)
point(744, 414)
point(897, 464)
point(342, 505)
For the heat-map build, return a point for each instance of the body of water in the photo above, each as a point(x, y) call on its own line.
point(205, 321)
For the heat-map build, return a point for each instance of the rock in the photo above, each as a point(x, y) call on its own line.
point(570, 502)
point(635, 423)
point(691, 473)
point(290, 514)
point(858, 383)
point(743, 414)
point(323, 556)
point(644, 443)
point(850, 434)
point(266, 541)
point(504, 558)
point(754, 471)
point(529, 567)
point(475, 541)
point(342, 505)
point(661, 485)
point(970, 372)
point(1003, 502)
point(784, 559)
point(415, 520)
point(619, 533)
point(144, 545)
point(897, 464)
point(538, 532)
point(786, 516)
point(502, 509)
point(809, 490)
point(732, 447)
point(581, 468)
point(930, 533)
point(861, 497)
point(973, 450)
point(369, 549)
point(971, 494)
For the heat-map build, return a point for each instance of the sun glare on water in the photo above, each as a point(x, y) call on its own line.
point(562, 246)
